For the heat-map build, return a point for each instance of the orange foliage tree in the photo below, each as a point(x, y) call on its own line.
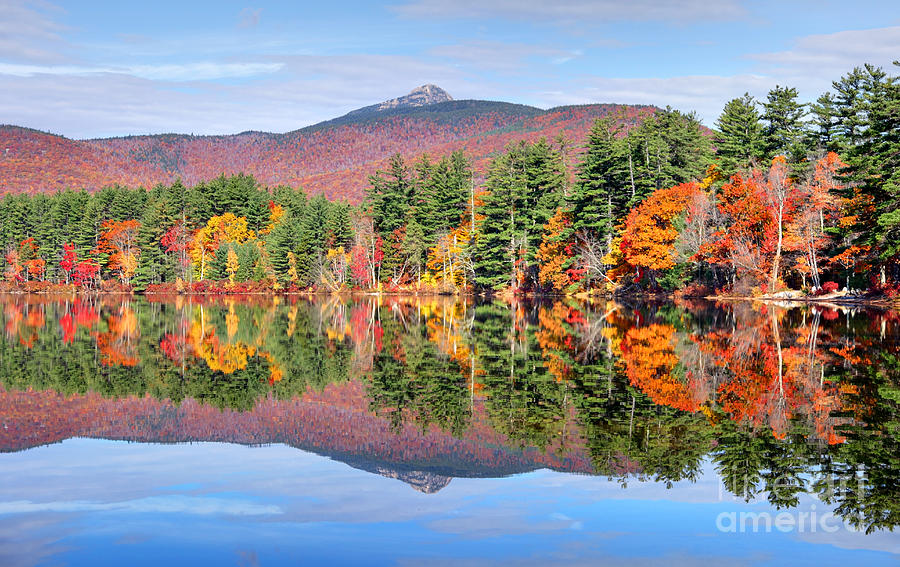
point(648, 239)
point(13, 271)
point(651, 365)
point(556, 254)
point(118, 241)
point(817, 203)
point(745, 243)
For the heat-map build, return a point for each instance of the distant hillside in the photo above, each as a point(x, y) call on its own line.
point(333, 157)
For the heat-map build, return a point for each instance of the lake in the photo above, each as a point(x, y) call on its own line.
point(403, 430)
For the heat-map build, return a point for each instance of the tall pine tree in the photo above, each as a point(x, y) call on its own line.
point(602, 189)
point(525, 187)
point(739, 139)
point(785, 130)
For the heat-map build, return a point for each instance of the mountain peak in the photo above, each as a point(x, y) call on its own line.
point(419, 96)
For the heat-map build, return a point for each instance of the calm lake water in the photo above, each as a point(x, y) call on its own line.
point(403, 431)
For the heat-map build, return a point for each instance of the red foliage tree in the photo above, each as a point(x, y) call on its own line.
point(178, 240)
point(85, 272)
point(69, 260)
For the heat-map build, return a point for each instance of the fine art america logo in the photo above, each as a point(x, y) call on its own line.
point(784, 492)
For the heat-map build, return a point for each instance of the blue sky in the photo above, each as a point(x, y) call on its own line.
point(95, 502)
point(86, 69)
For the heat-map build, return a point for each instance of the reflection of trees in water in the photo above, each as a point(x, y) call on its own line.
point(645, 391)
point(870, 453)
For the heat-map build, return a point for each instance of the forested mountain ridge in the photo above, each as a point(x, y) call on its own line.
point(334, 158)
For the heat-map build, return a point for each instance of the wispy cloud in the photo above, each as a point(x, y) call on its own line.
point(28, 32)
point(175, 504)
point(831, 55)
point(576, 11)
point(810, 65)
point(306, 90)
point(704, 94)
point(203, 71)
point(502, 57)
point(249, 18)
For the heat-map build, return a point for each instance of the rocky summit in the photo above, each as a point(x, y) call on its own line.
point(420, 96)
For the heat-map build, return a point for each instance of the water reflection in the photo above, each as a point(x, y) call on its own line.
point(783, 401)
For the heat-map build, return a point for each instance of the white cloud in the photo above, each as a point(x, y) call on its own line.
point(174, 504)
point(115, 104)
point(306, 90)
point(576, 11)
point(886, 541)
point(502, 57)
point(31, 540)
point(28, 33)
point(249, 18)
point(829, 56)
point(21, 70)
point(204, 71)
point(810, 65)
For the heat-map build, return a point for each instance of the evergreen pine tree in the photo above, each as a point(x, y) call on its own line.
point(454, 197)
point(525, 187)
point(340, 231)
point(414, 247)
point(312, 236)
point(874, 166)
point(153, 266)
point(390, 195)
point(426, 198)
point(785, 130)
point(739, 140)
point(600, 197)
point(281, 241)
point(852, 98)
point(666, 149)
point(823, 137)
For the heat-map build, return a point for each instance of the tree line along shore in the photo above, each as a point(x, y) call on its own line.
point(782, 200)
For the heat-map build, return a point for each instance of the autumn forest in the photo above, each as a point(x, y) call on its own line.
point(780, 196)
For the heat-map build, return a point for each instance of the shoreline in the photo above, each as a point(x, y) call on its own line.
point(839, 301)
point(833, 301)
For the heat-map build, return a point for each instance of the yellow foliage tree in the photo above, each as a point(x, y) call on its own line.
point(218, 230)
point(232, 265)
point(276, 212)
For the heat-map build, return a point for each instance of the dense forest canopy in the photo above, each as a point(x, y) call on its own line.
point(782, 195)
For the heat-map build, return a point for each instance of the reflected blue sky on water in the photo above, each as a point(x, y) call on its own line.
point(97, 502)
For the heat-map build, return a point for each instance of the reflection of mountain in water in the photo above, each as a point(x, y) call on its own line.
point(426, 482)
point(425, 391)
point(427, 460)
